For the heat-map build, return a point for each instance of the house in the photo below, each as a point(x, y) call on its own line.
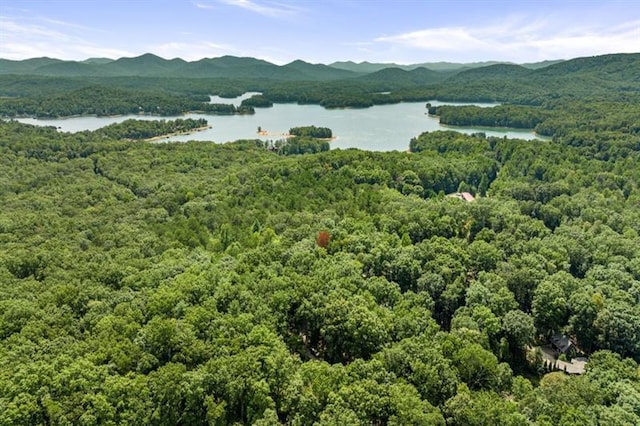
point(563, 344)
point(464, 196)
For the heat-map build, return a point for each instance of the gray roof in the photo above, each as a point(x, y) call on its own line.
point(561, 342)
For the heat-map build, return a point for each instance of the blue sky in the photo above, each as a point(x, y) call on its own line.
point(320, 31)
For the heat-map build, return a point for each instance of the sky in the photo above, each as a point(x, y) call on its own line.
point(320, 31)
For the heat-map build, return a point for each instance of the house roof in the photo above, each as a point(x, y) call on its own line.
point(561, 342)
point(465, 196)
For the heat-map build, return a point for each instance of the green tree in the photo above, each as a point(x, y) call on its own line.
point(550, 308)
point(520, 331)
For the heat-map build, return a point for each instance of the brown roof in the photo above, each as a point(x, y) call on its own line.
point(465, 196)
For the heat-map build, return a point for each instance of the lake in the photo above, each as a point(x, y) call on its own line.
point(378, 128)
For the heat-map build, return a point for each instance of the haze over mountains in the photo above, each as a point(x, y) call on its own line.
point(149, 65)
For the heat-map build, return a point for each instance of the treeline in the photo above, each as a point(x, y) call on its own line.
point(146, 129)
point(560, 118)
point(300, 145)
point(521, 117)
point(102, 101)
point(257, 101)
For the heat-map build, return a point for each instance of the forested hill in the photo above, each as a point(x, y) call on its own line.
point(527, 84)
point(368, 67)
point(68, 89)
point(399, 76)
point(242, 283)
point(149, 65)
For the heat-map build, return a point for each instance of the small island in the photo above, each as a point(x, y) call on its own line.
point(299, 140)
point(312, 132)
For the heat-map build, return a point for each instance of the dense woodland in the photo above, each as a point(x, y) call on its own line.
point(106, 101)
point(147, 129)
point(196, 283)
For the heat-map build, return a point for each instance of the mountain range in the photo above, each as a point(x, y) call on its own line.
point(149, 65)
point(484, 81)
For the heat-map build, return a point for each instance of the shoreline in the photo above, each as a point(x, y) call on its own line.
point(289, 135)
point(497, 129)
point(132, 115)
point(168, 135)
point(267, 133)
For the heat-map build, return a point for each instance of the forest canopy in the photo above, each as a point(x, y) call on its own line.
point(255, 283)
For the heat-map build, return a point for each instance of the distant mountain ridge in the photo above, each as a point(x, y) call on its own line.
point(492, 72)
point(150, 65)
point(599, 70)
point(97, 61)
point(418, 75)
point(369, 67)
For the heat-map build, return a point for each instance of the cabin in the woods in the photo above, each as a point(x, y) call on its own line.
point(464, 196)
point(563, 344)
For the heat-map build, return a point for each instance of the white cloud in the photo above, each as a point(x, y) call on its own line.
point(201, 5)
point(43, 37)
point(59, 23)
point(272, 10)
point(439, 39)
point(518, 40)
point(36, 37)
point(14, 30)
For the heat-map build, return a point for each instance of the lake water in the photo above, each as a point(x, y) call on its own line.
point(378, 128)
